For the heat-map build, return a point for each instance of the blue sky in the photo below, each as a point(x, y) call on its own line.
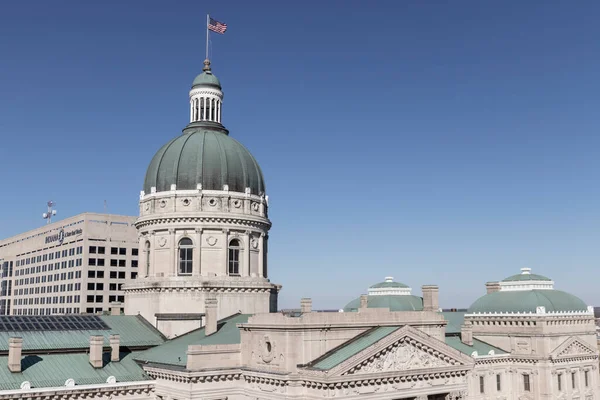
point(437, 142)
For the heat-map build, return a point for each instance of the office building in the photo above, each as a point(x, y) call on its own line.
point(75, 265)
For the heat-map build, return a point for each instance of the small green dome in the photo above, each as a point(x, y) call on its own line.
point(207, 78)
point(388, 283)
point(394, 303)
point(512, 301)
point(526, 277)
point(205, 154)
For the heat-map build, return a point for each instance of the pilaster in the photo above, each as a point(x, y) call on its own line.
point(173, 252)
point(197, 260)
point(247, 247)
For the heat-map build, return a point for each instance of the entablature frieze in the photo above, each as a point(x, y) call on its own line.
point(184, 376)
point(158, 222)
point(208, 289)
point(81, 392)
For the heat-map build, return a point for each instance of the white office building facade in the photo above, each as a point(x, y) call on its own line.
point(75, 265)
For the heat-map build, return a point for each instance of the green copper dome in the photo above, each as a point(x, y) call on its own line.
point(527, 301)
point(526, 277)
point(388, 284)
point(525, 292)
point(207, 78)
point(389, 294)
point(205, 154)
point(394, 303)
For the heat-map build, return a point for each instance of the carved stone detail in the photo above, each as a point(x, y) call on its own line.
point(211, 240)
point(401, 357)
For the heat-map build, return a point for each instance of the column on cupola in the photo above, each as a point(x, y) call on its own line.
point(192, 119)
point(203, 107)
point(210, 104)
point(196, 262)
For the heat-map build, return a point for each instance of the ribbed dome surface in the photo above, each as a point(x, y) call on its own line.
point(204, 156)
point(526, 277)
point(527, 301)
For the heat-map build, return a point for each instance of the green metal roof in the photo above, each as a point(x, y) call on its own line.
point(52, 370)
point(526, 277)
point(480, 347)
point(206, 78)
point(455, 320)
point(527, 301)
point(133, 330)
point(174, 352)
point(388, 284)
point(205, 154)
point(393, 302)
point(341, 353)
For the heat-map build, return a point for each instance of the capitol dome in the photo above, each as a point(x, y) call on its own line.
point(204, 156)
point(389, 294)
point(524, 293)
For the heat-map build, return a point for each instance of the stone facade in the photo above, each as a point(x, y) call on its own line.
point(276, 357)
point(212, 220)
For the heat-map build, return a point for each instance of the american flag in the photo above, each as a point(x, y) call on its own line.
point(217, 26)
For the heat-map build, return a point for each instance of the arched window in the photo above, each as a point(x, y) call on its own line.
point(147, 253)
point(186, 248)
point(234, 257)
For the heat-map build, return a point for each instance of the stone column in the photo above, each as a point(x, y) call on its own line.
point(197, 260)
point(203, 105)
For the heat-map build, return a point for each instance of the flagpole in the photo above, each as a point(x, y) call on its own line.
point(207, 21)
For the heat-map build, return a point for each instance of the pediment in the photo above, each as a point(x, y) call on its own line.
point(403, 350)
point(573, 347)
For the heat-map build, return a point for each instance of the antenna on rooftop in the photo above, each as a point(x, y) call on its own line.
point(48, 215)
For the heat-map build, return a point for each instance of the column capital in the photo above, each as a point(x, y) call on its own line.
point(198, 230)
point(171, 231)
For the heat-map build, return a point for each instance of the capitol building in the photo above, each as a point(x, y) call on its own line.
point(201, 321)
